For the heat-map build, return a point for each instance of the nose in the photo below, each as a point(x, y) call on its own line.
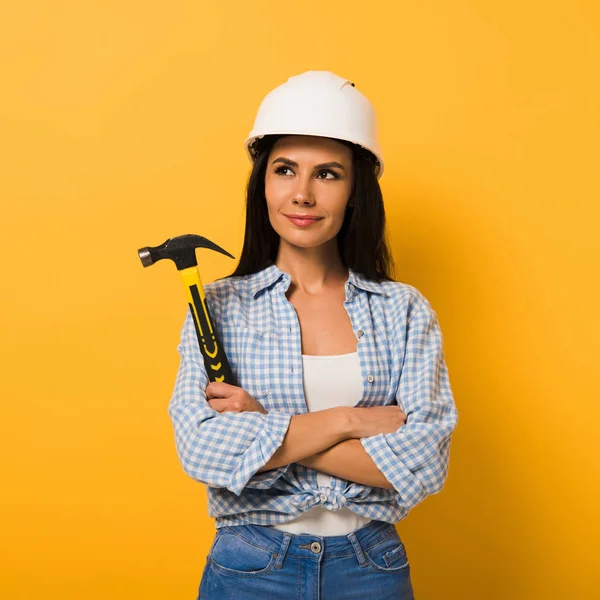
point(303, 193)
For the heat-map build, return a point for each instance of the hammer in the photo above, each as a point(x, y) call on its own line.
point(182, 251)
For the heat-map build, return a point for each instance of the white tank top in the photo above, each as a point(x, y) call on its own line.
point(329, 381)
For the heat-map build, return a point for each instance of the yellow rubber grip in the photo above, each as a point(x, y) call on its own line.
point(190, 277)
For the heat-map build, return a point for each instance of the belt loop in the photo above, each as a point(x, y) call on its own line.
point(287, 538)
point(360, 555)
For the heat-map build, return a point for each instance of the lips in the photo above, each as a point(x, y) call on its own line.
point(303, 220)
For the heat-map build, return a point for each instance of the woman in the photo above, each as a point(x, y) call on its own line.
point(343, 413)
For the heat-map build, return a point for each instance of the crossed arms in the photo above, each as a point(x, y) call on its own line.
point(248, 448)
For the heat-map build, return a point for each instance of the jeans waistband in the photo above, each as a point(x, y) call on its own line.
point(310, 546)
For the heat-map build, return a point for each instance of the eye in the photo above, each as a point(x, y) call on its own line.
point(280, 169)
point(335, 175)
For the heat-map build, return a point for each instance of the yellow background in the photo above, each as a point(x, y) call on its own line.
point(122, 124)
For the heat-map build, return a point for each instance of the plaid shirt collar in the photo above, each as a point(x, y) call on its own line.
point(256, 282)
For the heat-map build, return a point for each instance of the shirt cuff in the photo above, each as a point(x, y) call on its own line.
point(406, 484)
point(261, 450)
point(265, 479)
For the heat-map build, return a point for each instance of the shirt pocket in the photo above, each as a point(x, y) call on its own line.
point(248, 351)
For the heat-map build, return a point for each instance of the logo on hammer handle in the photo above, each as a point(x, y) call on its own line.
point(182, 251)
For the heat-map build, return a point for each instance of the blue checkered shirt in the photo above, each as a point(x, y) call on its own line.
point(401, 356)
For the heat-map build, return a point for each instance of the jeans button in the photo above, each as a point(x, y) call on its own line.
point(315, 547)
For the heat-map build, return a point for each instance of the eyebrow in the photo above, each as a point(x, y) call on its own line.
point(291, 163)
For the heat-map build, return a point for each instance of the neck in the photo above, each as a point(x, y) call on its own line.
point(313, 270)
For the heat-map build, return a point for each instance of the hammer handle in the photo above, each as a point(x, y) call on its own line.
point(215, 361)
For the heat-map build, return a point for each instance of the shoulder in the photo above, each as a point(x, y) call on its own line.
point(408, 312)
point(225, 287)
point(228, 295)
point(221, 288)
point(404, 300)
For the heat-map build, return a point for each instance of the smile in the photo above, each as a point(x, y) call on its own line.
point(303, 221)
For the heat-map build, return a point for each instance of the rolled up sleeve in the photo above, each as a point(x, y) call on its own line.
point(415, 458)
point(220, 449)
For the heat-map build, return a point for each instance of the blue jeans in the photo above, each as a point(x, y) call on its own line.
point(253, 562)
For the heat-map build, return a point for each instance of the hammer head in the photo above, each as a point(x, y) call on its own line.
point(181, 250)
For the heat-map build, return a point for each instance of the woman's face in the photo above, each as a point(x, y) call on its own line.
point(308, 175)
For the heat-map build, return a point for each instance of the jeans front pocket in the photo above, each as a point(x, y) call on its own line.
point(233, 555)
point(389, 555)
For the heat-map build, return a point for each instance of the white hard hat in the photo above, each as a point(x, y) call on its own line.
point(318, 103)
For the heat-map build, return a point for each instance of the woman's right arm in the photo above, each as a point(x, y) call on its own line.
point(313, 432)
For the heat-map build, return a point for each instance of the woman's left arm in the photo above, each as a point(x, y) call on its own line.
point(348, 460)
point(414, 459)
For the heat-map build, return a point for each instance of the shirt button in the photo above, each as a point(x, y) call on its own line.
point(370, 378)
point(360, 333)
point(323, 498)
point(315, 547)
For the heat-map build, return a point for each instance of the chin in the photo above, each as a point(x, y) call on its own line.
point(305, 241)
point(299, 238)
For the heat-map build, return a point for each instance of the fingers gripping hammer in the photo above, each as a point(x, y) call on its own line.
point(182, 251)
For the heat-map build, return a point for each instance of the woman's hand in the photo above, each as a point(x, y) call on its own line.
point(373, 420)
point(224, 397)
